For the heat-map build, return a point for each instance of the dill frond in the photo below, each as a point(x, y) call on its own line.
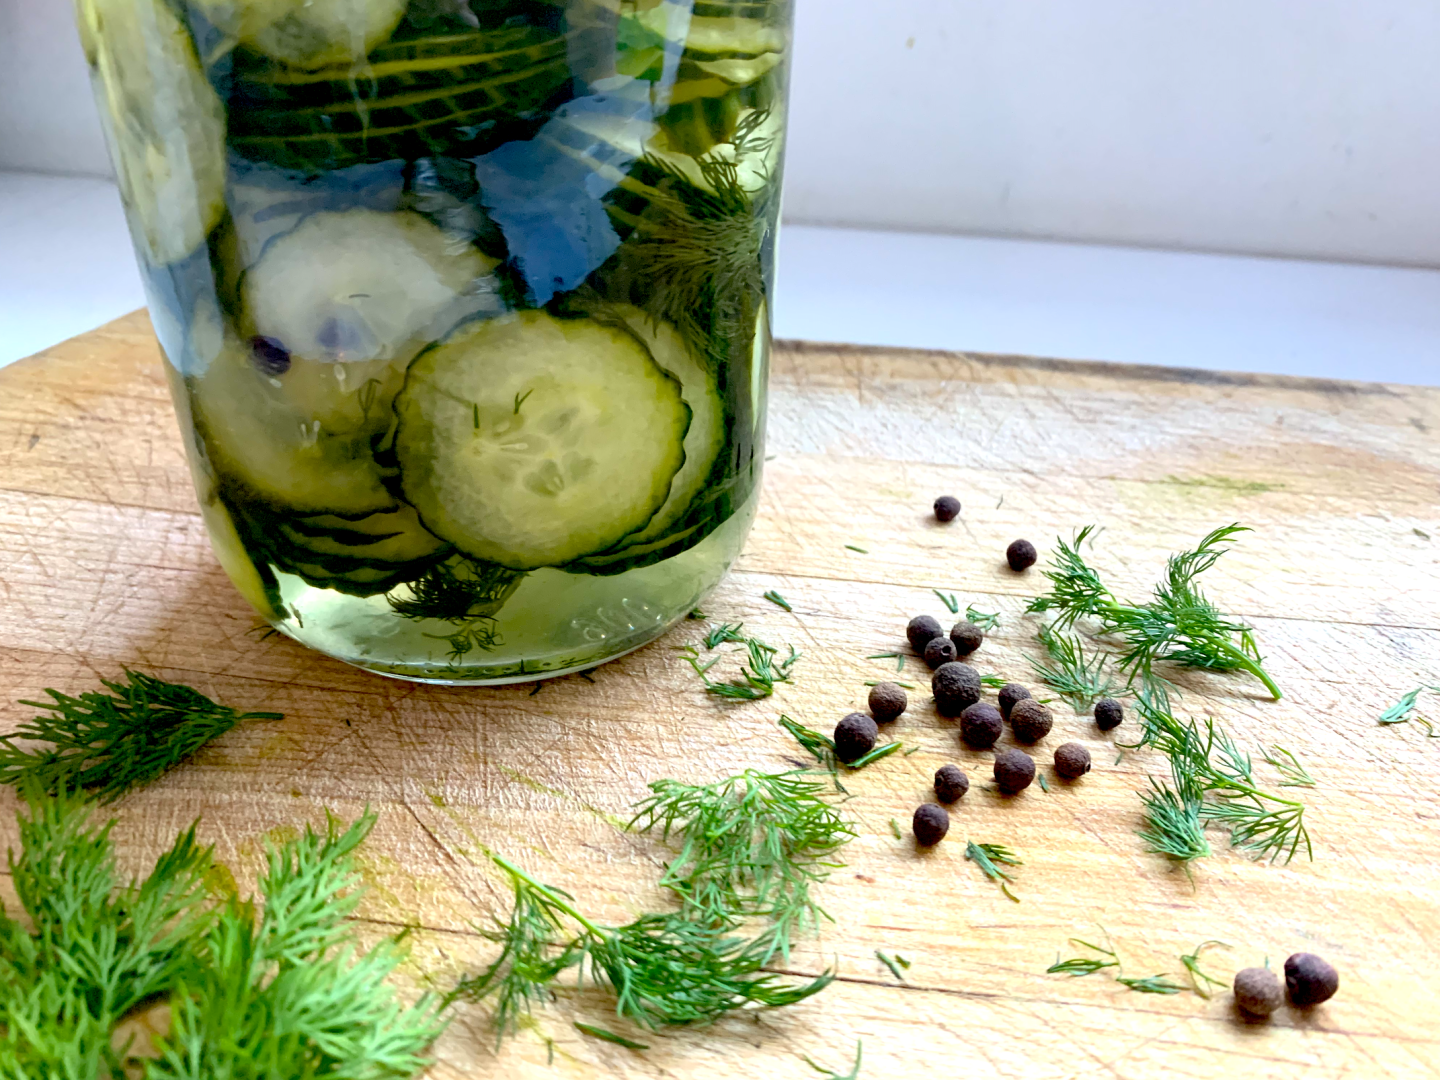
point(986, 620)
point(1179, 624)
point(758, 676)
point(986, 856)
point(893, 963)
point(778, 600)
point(1199, 980)
point(752, 845)
point(1080, 966)
point(609, 1036)
point(1152, 984)
point(111, 743)
point(1287, 765)
point(948, 599)
point(662, 969)
point(1403, 711)
point(1079, 679)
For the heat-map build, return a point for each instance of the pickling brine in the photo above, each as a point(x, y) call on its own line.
point(465, 305)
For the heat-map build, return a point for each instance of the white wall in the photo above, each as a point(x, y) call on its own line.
point(1289, 127)
point(47, 116)
point(1286, 127)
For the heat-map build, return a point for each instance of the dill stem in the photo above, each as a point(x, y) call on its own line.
point(550, 894)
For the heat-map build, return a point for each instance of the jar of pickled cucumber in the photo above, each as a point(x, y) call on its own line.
point(465, 305)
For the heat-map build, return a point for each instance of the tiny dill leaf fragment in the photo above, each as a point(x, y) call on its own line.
point(853, 1074)
point(948, 599)
point(1080, 966)
point(1199, 980)
point(1044, 784)
point(891, 963)
point(1151, 984)
point(778, 600)
point(861, 550)
point(609, 1036)
point(1287, 765)
point(986, 856)
point(821, 747)
point(994, 682)
point(895, 829)
point(1403, 711)
point(986, 620)
point(758, 675)
point(110, 743)
point(882, 751)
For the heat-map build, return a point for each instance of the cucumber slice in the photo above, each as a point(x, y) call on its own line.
point(531, 441)
point(307, 450)
point(164, 123)
point(256, 584)
point(363, 285)
point(306, 33)
point(393, 537)
point(706, 433)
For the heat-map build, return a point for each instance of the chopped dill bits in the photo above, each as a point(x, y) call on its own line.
point(853, 547)
point(778, 600)
point(1044, 784)
point(610, 1036)
point(1152, 984)
point(948, 599)
point(893, 963)
point(895, 828)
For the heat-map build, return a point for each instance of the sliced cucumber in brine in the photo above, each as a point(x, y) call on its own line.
point(289, 434)
point(306, 33)
point(360, 285)
point(531, 441)
point(164, 123)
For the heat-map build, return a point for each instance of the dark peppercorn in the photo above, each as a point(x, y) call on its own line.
point(1010, 693)
point(1108, 714)
point(956, 686)
point(930, 823)
point(1014, 770)
point(940, 650)
point(1030, 720)
point(1020, 555)
point(1072, 760)
point(981, 725)
point(951, 783)
point(946, 507)
point(967, 637)
point(887, 701)
point(855, 737)
point(1257, 991)
point(269, 356)
point(1310, 980)
point(922, 630)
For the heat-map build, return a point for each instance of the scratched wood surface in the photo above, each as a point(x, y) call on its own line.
point(103, 563)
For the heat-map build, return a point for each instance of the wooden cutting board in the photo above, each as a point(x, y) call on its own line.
point(103, 563)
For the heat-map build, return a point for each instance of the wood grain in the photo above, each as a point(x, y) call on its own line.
point(103, 562)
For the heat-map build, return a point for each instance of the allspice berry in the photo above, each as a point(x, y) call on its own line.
point(1010, 693)
point(1072, 761)
point(887, 701)
point(1310, 980)
point(921, 630)
point(1257, 991)
point(981, 725)
point(967, 637)
point(951, 783)
point(946, 508)
point(930, 824)
point(1030, 720)
point(1014, 771)
point(940, 650)
point(956, 686)
point(1108, 714)
point(1021, 555)
point(855, 737)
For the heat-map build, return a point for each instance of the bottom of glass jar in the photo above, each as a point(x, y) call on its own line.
point(554, 624)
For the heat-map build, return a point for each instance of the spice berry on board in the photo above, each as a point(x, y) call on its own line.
point(1072, 761)
point(981, 725)
point(1014, 771)
point(1257, 991)
point(1010, 693)
point(966, 637)
point(1021, 555)
point(956, 686)
point(886, 701)
point(946, 508)
point(930, 824)
point(1310, 980)
point(940, 650)
point(921, 630)
point(951, 783)
point(855, 737)
point(1030, 720)
point(1109, 714)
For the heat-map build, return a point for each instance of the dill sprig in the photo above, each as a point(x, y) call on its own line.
point(758, 675)
point(1179, 624)
point(1207, 762)
point(1080, 966)
point(985, 856)
point(949, 600)
point(662, 969)
point(994, 682)
point(1079, 679)
point(853, 1074)
point(1403, 711)
point(778, 600)
point(282, 993)
point(750, 846)
point(1151, 984)
point(464, 593)
point(986, 620)
point(1199, 980)
point(1287, 765)
point(609, 1036)
point(110, 743)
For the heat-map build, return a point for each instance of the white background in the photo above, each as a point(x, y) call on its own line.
point(1303, 129)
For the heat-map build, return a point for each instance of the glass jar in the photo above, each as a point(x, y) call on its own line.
point(465, 303)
